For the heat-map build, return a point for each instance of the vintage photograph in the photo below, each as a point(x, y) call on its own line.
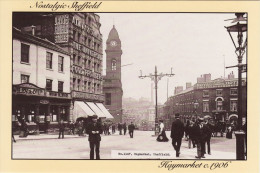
point(131, 86)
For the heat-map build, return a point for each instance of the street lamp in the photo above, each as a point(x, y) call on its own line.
point(239, 30)
point(156, 77)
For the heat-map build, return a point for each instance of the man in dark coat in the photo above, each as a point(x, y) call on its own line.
point(61, 129)
point(124, 127)
point(113, 128)
point(120, 128)
point(177, 133)
point(200, 134)
point(131, 128)
point(94, 129)
point(208, 130)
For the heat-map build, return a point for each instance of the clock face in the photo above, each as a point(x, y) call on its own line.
point(113, 43)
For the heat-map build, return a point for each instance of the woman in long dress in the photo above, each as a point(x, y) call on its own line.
point(162, 135)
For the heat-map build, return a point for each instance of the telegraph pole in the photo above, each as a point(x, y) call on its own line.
point(156, 77)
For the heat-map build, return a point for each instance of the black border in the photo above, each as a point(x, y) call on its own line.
point(102, 60)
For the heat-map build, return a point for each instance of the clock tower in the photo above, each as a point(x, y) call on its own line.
point(112, 81)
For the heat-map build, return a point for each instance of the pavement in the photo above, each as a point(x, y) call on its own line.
point(46, 146)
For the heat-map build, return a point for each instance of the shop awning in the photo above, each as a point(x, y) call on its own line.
point(104, 110)
point(97, 111)
point(81, 110)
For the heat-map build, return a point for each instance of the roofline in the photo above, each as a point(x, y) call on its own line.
point(18, 34)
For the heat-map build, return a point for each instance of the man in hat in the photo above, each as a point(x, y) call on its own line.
point(177, 132)
point(200, 133)
point(94, 129)
point(131, 129)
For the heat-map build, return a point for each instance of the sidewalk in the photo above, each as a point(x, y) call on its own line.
point(45, 136)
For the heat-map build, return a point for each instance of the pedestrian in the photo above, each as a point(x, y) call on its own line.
point(131, 129)
point(71, 127)
point(208, 130)
point(80, 128)
point(200, 136)
point(162, 135)
point(105, 128)
point(177, 132)
point(13, 129)
point(191, 139)
point(120, 128)
point(61, 129)
point(124, 128)
point(24, 129)
point(94, 129)
point(229, 132)
point(187, 130)
point(113, 128)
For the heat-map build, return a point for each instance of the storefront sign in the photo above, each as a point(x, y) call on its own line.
point(44, 102)
point(87, 73)
point(28, 89)
point(58, 94)
point(86, 50)
point(61, 28)
point(89, 96)
point(218, 84)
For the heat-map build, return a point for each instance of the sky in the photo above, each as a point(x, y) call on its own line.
point(191, 44)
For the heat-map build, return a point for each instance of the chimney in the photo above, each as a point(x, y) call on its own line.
point(33, 29)
point(188, 85)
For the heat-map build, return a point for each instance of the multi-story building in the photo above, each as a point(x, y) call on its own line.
point(113, 86)
point(216, 98)
point(41, 87)
point(79, 34)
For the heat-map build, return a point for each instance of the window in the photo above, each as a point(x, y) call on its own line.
point(85, 85)
point(98, 88)
point(98, 66)
point(89, 42)
point(89, 86)
point(79, 38)
point(60, 86)
point(108, 98)
point(74, 35)
point(95, 66)
point(233, 91)
point(49, 60)
point(49, 84)
point(113, 64)
point(25, 53)
point(219, 92)
point(74, 83)
point(98, 47)
point(205, 93)
point(25, 78)
point(79, 60)
point(61, 63)
point(95, 89)
point(219, 104)
point(85, 63)
point(233, 105)
point(206, 106)
point(89, 64)
point(95, 45)
point(74, 59)
point(79, 84)
point(89, 20)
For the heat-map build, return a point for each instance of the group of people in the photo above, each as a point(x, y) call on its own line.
point(198, 133)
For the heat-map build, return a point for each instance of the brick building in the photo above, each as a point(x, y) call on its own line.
point(216, 98)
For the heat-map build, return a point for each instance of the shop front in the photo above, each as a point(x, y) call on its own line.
point(41, 109)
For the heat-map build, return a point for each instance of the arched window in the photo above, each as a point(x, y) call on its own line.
point(219, 103)
point(113, 64)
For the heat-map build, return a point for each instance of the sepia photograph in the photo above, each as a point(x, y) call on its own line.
point(129, 86)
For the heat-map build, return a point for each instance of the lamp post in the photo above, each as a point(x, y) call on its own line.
point(239, 29)
point(156, 77)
